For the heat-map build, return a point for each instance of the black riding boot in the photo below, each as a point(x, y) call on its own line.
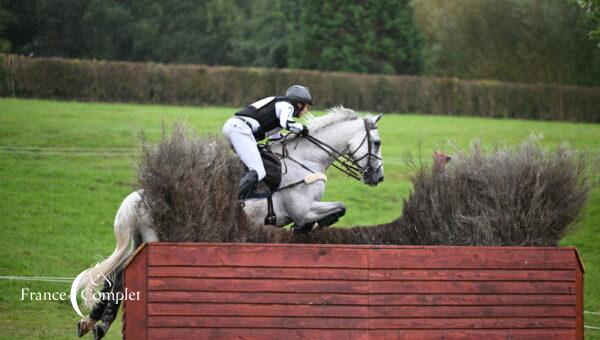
point(247, 182)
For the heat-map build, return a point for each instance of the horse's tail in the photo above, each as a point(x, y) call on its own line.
point(88, 280)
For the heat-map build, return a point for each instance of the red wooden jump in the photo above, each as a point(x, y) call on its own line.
point(270, 291)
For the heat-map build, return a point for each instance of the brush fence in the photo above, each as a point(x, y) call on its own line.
point(198, 290)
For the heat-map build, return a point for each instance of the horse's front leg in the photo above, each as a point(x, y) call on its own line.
point(323, 213)
point(333, 217)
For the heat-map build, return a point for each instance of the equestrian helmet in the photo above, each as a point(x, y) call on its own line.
point(299, 93)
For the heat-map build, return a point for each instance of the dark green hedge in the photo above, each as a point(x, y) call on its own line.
point(234, 86)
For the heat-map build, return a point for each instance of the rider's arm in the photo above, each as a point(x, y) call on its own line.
point(285, 112)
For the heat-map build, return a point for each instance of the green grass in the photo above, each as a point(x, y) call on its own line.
point(58, 200)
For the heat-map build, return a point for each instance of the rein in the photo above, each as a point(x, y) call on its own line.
point(344, 163)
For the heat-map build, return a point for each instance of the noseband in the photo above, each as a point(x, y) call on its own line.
point(369, 155)
point(344, 163)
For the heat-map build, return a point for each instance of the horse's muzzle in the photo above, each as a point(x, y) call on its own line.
point(373, 179)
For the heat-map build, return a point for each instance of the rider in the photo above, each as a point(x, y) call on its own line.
point(259, 120)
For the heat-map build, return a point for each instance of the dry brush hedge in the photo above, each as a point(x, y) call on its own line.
point(91, 80)
point(521, 196)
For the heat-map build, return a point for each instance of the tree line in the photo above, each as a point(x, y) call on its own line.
point(514, 40)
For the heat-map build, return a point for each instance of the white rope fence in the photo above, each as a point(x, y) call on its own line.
point(38, 278)
point(67, 151)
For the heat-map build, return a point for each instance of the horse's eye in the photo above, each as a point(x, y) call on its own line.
point(377, 143)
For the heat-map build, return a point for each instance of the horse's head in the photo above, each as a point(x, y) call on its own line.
point(365, 151)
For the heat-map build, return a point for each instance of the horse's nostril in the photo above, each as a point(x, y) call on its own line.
point(381, 179)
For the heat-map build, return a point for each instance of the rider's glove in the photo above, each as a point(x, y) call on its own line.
point(295, 127)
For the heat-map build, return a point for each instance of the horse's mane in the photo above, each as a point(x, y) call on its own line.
point(334, 115)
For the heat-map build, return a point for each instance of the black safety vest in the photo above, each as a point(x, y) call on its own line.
point(265, 114)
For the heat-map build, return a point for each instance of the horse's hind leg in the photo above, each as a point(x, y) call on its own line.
point(87, 324)
point(106, 309)
point(111, 306)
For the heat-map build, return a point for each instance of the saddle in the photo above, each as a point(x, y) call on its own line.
point(272, 180)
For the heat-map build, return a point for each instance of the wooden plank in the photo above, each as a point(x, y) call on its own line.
point(471, 287)
point(135, 252)
point(259, 272)
point(467, 334)
point(257, 285)
point(210, 309)
point(579, 304)
point(470, 323)
point(258, 256)
point(470, 299)
point(470, 311)
point(472, 258)
point(361, 287)
point(207, 309)
point(471, 275)
point(362, 299)
point(258, 322)
point(349, 246)
point(135, 311)
point(260, 298)
point(361, 274)
point(256, 333)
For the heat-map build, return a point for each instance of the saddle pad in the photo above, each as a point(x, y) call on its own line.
point(317, 176)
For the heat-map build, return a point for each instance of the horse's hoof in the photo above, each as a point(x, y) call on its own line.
point(83, 327)
point(305, 229)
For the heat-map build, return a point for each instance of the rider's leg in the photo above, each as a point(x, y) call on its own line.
point(247, 182)
point(244, 144)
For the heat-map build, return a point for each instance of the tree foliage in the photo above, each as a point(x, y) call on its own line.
point(515, 40)
point(593, 8)
point(370, 36)
point(378, 36)
point(263, 40)
point(183, 31)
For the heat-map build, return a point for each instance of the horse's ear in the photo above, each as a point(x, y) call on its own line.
point(377, 118)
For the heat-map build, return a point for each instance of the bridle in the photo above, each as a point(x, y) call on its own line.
point(344, 163)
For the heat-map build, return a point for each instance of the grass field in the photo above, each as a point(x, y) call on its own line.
point(66, 166)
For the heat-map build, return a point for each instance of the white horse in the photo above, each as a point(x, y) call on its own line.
point(341, 133)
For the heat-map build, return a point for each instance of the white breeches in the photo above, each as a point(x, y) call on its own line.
point(244, 143)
